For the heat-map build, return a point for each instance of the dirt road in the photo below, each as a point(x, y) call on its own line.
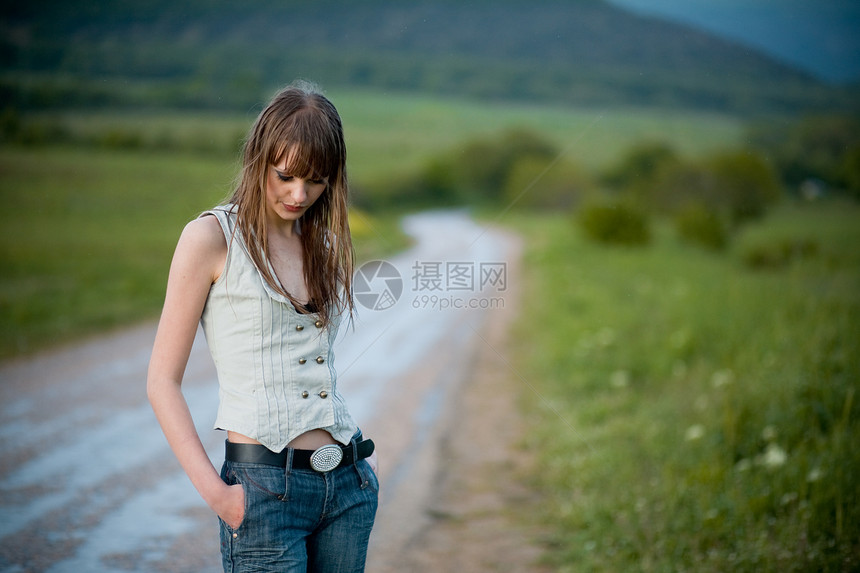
point(88, 484)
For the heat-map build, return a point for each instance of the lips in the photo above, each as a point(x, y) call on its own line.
point(293, 208)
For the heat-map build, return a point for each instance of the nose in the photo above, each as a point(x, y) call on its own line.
point(299, 191)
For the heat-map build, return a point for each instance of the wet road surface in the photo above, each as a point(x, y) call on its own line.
point(88, 483)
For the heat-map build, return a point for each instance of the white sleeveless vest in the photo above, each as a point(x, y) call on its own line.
point(275, 365)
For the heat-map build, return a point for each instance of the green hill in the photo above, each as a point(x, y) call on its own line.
point(229, 54)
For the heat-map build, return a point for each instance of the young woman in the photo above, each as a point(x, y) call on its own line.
point(269, 277)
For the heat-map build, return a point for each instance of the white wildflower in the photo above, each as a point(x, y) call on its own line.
point(814, 475)
point(721, 378)
point(774, 456)
point(694, 432)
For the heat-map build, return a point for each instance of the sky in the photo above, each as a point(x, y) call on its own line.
point(819, 36)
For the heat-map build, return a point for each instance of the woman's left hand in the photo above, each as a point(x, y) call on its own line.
point(374, 464)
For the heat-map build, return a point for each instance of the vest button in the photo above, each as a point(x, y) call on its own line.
point(305, 394)
point(318, 324)
point(299, 327)
point(323, 394)
point(302, 360)
point(320, 360)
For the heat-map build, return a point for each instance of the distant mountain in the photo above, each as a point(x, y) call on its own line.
point(226, 53)
point(820, 37)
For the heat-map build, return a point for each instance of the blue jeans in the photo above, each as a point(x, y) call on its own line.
point(300, 520)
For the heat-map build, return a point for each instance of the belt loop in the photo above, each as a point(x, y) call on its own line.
point(362, 481)
point(288, 470)
point(289, 462)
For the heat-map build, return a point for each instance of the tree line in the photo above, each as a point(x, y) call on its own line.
point(229, 55)
point(708, 198)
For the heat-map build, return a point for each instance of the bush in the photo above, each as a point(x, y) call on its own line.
point(615, 223)
point(485, 165)
point(681, 184)
point(436, 183)
point(746, 184)
point(815, 147)
point(534, 183)
point(476, 172)
point(851, 171)
point(739, 185)
point(697, 224)
point(641, 168)
point(780, 253)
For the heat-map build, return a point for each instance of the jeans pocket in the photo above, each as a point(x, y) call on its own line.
point(231, 477)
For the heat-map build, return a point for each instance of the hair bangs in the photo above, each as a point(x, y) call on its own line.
point(311, 148)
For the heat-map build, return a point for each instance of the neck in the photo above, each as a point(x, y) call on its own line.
point(284, 229)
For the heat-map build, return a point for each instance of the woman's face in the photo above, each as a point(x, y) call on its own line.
point(288, 196)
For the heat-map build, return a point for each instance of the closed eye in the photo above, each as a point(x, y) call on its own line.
point(282, 176)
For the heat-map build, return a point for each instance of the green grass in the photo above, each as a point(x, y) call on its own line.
point(87, 237)
point(690, 413)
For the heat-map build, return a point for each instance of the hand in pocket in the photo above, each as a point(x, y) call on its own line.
point(231, 507)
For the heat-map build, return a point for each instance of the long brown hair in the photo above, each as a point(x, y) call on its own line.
point(302, 125)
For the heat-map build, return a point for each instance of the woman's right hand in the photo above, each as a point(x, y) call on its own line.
point(231, 506)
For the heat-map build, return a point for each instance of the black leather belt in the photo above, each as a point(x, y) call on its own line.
point(322, 459)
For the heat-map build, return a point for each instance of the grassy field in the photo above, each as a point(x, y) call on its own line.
point(86, 236)
point(392, 134)
point(395, 133)
point(692, 413)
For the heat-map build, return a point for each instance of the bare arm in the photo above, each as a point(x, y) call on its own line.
point(197, 262)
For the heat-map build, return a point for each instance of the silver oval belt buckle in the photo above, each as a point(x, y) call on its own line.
point(326, 458)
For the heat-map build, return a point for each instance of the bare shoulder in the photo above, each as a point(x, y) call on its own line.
point(205, 230)
point(203, 245)
point(203, 236)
